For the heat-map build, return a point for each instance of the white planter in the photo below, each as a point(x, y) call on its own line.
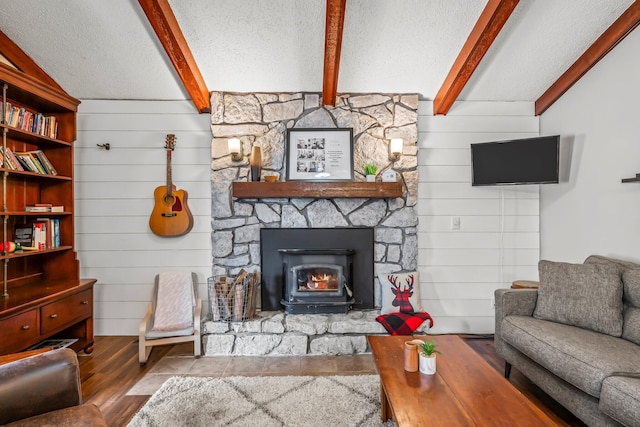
point(371, 178)
point(427, 364)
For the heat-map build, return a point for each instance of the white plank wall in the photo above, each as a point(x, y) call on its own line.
point(459, 269)
point(114, 198)
point(498, 240)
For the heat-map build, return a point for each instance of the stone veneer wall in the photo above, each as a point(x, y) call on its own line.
point(262, 119)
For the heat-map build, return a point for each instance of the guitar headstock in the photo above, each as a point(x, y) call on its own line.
point(170, 142)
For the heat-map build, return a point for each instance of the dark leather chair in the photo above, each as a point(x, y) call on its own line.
point(44, 390)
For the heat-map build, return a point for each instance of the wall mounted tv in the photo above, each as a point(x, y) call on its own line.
point(518, 161)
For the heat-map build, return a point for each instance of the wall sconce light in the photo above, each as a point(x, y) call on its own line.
point(235, 149)
point(395, 149)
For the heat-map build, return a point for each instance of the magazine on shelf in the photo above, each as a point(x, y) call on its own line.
point(54, 343)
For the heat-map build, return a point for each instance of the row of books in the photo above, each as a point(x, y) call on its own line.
point(30, 161)
point(29, 121)
point(44, 207)
point(43, 233)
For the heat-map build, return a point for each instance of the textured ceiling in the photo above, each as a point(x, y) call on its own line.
point(97, 49)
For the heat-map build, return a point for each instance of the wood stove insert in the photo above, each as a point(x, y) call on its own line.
point(317, 281)
point(354, 247)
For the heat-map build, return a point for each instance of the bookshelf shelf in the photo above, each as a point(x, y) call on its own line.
point(32, 281)
point(37, 175)
point(25, 136)
point(42, 214)
point(35, 253)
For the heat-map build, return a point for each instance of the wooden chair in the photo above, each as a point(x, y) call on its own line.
point(173, 315)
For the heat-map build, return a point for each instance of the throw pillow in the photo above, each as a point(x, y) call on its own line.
point(403, 323)
point(400, 292)
point(585, 295)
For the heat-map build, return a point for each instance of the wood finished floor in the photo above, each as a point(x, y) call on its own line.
point(113, 369)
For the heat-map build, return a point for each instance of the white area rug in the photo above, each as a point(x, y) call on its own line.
point(292, 401)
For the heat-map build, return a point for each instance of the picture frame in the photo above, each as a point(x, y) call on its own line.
point(319, 154)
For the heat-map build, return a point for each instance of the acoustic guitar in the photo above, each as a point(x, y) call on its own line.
point(171, 215)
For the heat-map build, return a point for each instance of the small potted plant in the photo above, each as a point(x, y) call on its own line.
point(370, 170)
point(428, 357)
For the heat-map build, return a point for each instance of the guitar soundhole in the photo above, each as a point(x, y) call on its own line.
point(174, 202)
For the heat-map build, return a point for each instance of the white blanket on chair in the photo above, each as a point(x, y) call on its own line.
point(174, 303)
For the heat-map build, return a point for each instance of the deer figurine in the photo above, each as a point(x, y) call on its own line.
point(402, 295)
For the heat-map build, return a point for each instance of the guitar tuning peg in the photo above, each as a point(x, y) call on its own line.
point(106, 146)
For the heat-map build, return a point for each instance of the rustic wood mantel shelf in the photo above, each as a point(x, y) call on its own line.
point(318, 190)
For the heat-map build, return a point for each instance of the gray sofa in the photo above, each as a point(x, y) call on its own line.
point(578, 337)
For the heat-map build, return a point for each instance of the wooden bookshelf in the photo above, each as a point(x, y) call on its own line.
point(42, 294)
point(319, 190)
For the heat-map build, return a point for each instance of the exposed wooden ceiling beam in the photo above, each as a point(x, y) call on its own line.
point(487, 28)
point(23, 62)
point(166, 26)
point(332, 47)
point(626, 23)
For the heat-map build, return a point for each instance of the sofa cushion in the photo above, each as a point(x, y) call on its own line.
point(620, 399)
point(584, 295)
point(631, 285)
point(581, 357)
point(599, 259)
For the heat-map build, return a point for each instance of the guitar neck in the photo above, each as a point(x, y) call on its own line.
point(169, 181)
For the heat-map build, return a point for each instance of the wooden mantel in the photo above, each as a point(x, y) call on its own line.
point(318, 190)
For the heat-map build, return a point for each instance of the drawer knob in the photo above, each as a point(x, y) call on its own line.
point(25, 327)
point(85, 302)
point(53, 316)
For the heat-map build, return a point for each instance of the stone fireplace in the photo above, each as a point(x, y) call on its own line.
point(238, 223)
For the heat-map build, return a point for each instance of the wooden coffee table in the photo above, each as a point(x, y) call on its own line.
point(465, 391)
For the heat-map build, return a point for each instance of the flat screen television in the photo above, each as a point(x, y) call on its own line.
point(518, 161)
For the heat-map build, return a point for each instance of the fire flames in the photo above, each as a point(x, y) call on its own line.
point(321, 281)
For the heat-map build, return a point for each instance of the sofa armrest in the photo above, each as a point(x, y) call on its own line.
point(39, 384)
point(517, 302)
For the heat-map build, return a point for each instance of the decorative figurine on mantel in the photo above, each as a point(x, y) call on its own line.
point(389, 176)
point(255, 161)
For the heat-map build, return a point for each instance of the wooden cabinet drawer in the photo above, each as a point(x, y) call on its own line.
point(72, 308)
point(19, 329)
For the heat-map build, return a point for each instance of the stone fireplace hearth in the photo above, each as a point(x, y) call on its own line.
point(275, 333)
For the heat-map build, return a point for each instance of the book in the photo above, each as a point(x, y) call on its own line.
point(37, 162)
point(54, 343)
point(56, 233)
point(23, 119)
point(45, 162)
point(14, 164)
point(25, 163)
point(37, 208)
point(44, 207)
point(41, 234)
point(23, 235)
point(47, 230)
point(32, 162)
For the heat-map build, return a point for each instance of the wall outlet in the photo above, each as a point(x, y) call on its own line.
point(455, 223)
